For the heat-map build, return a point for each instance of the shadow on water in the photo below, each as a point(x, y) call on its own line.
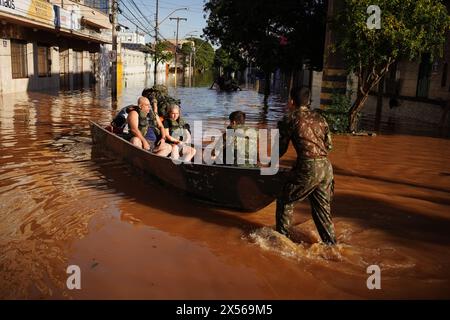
point(155, 195)
point(348, 173)
point(392, 219)
point(368, 212)
point(404, 126)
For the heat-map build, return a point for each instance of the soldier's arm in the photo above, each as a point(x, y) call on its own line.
point(285, 136)
point(328, 141)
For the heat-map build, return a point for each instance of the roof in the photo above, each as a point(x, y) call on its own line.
point(136, 47)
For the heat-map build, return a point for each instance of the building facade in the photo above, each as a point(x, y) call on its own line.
point(131, 37)
point(416, 89)
point(57, 44)
point(137, 58)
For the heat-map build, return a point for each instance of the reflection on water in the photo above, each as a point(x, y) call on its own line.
point(63, 203)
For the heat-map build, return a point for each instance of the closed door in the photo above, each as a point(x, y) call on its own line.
point(64, 68)
point(78, 68)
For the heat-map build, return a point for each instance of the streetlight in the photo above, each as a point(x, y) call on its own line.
point(190, 33)
point(172, 13)
point(156, 33)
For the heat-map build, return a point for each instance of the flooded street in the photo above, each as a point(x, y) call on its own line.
point(62, 203)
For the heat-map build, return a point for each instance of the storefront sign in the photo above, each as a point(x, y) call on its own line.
point(7, 4)
point(76, 19)
point(63, 18)
point(37, 10)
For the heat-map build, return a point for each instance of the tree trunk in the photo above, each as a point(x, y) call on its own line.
point(266, 86)
point(363, 94)
point(353, 113)
point(379, 104)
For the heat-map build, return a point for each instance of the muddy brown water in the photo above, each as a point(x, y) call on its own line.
point(62, 203)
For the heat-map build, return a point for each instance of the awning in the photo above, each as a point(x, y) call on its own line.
point(95, 18)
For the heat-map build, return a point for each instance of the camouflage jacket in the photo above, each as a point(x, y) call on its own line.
point(241, 145)
point(308, 131)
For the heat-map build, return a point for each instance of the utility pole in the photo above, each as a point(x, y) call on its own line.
point(195, 58)
point(114, 9)
point(156, 42)
point(193, 70)
point(176, 46)
point(190, 64)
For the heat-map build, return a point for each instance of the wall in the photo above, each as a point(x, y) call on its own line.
point(414, 110)
point(34, 82)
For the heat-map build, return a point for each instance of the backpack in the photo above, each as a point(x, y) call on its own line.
point(119, 123)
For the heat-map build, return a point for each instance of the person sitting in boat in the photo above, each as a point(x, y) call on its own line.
point(156, 133)
point(231, 84)
point(138, 124)
point(239, 142)
point(226, 84)
point(178, 134)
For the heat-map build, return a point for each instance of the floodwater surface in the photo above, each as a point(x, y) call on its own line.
point(62, 203)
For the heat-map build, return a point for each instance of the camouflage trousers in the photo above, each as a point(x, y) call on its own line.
point(312, 179)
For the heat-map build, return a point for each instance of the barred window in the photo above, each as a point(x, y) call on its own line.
point(44, 61)
point(19, 64)
point(444, 75)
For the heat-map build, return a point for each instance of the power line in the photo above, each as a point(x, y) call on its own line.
point(140, 28)
point(140, 12)
point(138, 20)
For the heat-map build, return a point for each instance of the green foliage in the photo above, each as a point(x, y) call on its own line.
point(204, 54)
point(409, 30)
point(254, 29)
point(163, 53)
point(187, 50)
point(224, 59)
point(337, 113)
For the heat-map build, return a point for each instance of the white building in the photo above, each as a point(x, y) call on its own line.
point(131, 37)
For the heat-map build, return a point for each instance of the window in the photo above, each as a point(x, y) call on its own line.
point(444, 75)
point(44, 61)
point(391, 81)
point(423, 81)
point(19, 64)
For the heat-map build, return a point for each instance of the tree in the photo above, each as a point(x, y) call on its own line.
point(203, 54)
point(283, 33)
point(225, 60)
point(409, 29)
point(163, 53)
point(186, 50)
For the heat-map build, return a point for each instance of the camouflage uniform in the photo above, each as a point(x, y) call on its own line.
point(241, 154)
point(161, 94)
point(312, 175)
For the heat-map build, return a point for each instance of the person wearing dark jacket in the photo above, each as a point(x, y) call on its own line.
point(312, 175)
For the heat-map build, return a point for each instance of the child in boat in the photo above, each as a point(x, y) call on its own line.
point(242, 154)
point(175, 127)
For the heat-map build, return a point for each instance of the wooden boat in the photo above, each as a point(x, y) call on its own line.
point(244, 189)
